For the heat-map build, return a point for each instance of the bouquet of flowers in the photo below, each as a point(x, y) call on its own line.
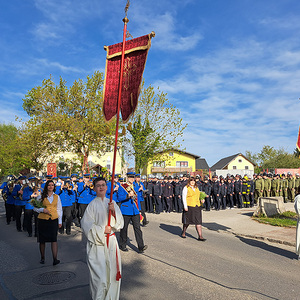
point(202, 197)
point(38, 204)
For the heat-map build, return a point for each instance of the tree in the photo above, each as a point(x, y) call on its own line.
point(67, 119)
point(157, 127)
point(271, 158)
point(14, 155)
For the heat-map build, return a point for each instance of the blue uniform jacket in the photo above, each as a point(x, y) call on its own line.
point(86, 195)
point(10, 197)
point(3, 185)
point(27, 192)
point(15, 193)
point(136, 187)
point(115, 194)
point(127, 205)
point(65, 197)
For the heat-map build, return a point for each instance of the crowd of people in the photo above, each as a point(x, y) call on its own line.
point(155, 194)
point(165, 194)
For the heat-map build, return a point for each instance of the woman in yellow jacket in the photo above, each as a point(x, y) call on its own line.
point(49, 220)
point(192, 213)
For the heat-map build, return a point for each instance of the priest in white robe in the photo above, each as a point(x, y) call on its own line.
point(104, 262)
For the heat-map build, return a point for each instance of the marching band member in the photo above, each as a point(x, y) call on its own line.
point(128, 201)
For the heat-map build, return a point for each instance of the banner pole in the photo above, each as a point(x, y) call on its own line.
point(125, 20)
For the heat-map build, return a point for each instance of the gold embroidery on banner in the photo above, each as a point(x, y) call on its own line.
point(128, 69)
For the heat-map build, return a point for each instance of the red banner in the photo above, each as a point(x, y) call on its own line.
point(136, 51)
point(51, 169)
point(298, 141)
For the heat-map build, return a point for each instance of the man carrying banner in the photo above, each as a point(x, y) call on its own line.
point(127, 199)
point(104, 261)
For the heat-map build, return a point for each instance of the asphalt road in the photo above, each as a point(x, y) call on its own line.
point(223, 267)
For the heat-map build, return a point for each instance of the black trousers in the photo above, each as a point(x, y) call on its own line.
point(137, 231)
point(29, 213)
point(18, 214)
point(66, 219)
point(207, 203)
point(238, 200)
point(75, 213)
point(216, 201)
point(143, 209)
point(178, 203)
point(149, 204)
point(169, 207)
point(230, 200)
point(223, 201)
point(10, 211)
point(81, 209)
point(158, 204)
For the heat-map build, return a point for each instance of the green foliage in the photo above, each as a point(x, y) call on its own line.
point(157, 126)
point(286, 219)
point(297, 153)
point(271, 158)
point(67, 119)
point(14, 155)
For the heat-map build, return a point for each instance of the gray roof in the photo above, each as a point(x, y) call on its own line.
point(180, 151)
point(201, 164)
point(222, 163)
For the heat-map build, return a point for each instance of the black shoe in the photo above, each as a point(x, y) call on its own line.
point(20, 230)
point(7, 223)
point(124, 249)
point(68, 233)
point(42, 261)
point(56, 262)
point(29, 234)
point(201, 239)
point(143, 249)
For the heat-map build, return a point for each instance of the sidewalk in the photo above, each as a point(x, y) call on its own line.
point(239, 222)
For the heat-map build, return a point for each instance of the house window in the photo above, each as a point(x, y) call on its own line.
point(171, 154)
point(159, 164)
point(246, 168)
point(108, 163)
point(180, 164)
point(234, 167)
point(240, 160)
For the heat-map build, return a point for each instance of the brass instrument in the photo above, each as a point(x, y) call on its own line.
point(24, 185)
point(11, 186)
point(36, 192)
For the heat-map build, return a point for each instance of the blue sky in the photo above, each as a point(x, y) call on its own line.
point(231, 67)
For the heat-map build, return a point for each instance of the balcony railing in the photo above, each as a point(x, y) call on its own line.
point(171, 169)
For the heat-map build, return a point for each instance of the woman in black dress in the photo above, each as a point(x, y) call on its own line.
point(192, 213)
point(49, 220)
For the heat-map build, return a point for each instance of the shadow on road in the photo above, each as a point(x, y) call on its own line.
point(249, 214)
point(267, 247)
point(176, 230)
point(215, 226)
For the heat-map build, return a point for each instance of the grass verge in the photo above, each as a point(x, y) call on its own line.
point(286, 219)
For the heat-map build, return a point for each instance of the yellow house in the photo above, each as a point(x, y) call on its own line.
point(234, 164)
point(172, 162)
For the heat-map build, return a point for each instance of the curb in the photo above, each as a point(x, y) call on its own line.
point(256, 237)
